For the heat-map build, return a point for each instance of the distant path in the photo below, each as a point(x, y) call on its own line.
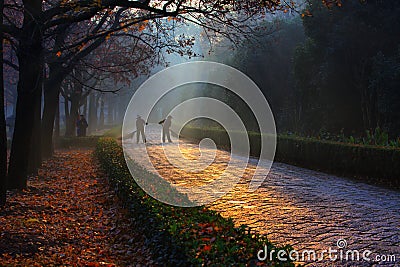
point(308, 209)
point(69, 216)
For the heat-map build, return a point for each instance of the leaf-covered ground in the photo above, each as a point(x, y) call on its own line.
point(68, 216)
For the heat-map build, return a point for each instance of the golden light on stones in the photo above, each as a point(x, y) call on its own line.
point(207, 176)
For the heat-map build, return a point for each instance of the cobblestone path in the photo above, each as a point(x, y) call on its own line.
point(309, 210)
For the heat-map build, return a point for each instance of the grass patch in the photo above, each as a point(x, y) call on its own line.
point(115, 132)
point(181, 236)
point(71, 142)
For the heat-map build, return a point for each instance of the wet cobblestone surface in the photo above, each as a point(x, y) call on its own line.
point(307, 209)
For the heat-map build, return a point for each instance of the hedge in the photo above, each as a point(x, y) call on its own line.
point(181, 236)
point(373, 164)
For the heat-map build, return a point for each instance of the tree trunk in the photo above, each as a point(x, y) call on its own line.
point(116, 115)
point(96, 108)
point(51, 102)
point(66, 114)
point(3, 134)
point(110, 111)
point(57, 122)
point(22, 139)
point(92, 113)
point(85, 109)
point(73, 116)
point(30, 58)
point(101, 119)
point(35, 156)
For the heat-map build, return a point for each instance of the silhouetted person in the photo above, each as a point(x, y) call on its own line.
point(140, 129)
point(81, 126)
point(165, 129)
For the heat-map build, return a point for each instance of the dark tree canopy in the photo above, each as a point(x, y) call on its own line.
point(347, 50)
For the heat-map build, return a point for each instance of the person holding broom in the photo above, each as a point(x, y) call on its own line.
point(165, 129)
point(140, 123)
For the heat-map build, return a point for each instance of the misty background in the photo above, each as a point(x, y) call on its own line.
point(323, 71)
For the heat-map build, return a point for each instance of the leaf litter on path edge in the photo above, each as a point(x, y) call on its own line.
point(69, 216)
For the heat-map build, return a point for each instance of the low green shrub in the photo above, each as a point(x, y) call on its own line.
point(374, 164)
point(69, 142)
point(181, 236)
